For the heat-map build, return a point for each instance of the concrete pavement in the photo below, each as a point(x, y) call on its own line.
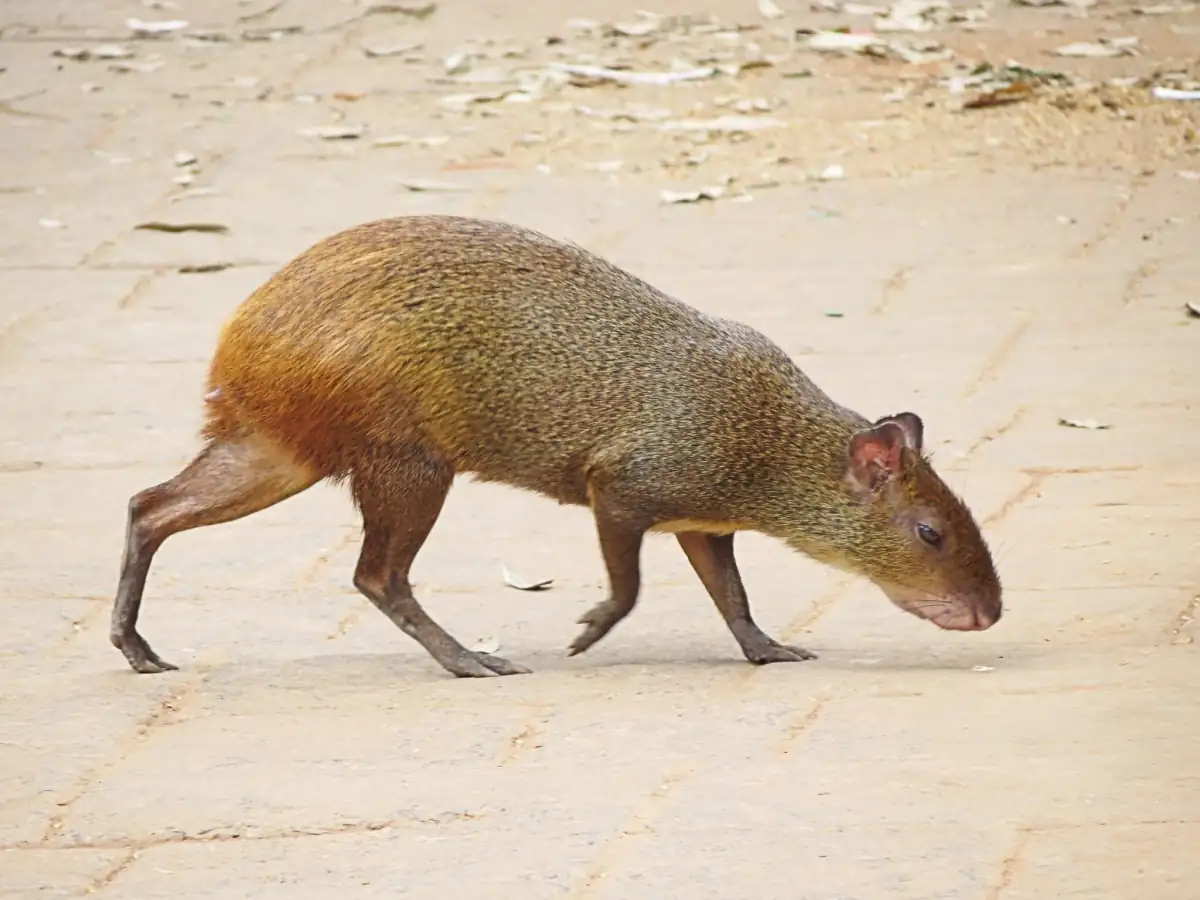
point(308, 749)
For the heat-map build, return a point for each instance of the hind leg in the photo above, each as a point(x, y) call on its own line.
point(228, 480)
point(400, 504)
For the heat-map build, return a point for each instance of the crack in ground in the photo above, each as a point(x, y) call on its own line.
point(170, 704)
point(221, 834)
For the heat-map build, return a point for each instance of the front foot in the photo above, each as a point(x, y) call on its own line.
point(599, 620)
point(473, 664)
point(142, 659)
point(761, 649)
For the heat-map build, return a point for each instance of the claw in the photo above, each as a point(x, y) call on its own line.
point(473, 664)
point(764, 653)
point(599, 620)
point(141, 658)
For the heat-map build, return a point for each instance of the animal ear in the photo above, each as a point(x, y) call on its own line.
point(876, 454)
point(914, 429)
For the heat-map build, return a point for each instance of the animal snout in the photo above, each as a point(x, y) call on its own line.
point(967, 617)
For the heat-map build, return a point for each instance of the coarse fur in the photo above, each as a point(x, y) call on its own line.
point(401, 352)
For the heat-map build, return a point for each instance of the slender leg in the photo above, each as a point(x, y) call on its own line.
point(400, 507)
point(621, 546)
point(228, 480)
point(712, 557)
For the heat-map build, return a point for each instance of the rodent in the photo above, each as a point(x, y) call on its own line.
point(401, 352)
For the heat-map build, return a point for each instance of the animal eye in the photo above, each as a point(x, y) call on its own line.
point(929, 535)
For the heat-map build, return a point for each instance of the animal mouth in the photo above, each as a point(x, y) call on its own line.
point(947, 613)
point(962, 619)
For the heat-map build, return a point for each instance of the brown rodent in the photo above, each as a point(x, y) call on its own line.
point(401, 352)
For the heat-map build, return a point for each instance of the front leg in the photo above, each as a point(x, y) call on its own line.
point(711, 555)
point(621, 538)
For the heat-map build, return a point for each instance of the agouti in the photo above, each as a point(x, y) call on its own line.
point(401, 352)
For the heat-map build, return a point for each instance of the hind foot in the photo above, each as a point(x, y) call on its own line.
point(473, 664)
point(142, 659)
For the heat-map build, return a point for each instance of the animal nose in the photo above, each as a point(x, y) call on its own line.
point(986, 618)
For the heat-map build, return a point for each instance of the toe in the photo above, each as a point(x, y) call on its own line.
point(585, 640)
point(801, 653)
point(502, 666)
point(468, 666)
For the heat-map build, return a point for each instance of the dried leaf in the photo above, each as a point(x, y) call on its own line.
point(832, 172)
point(1166, 93)
point(412, 10)
point(750, 105)
point(407, 140)
point(983, 668)
point(485, 645)
point(1084, 49)
point(1193, 309)
point(926, 52)
point(711, 192)
point(912, 15)
point(629, 114)
point(270, 34)
point(737, 68)
point(456, 63)
point(52, 224)
point(103, 51)
point(523, 584)
point(142, 68)
point(180, 228)
point(462, 102)
point(647, 24)
point(204, 268)
point(394, 50)
point(1088, 424)
point(334, 132)
point(211, 37)
point(183, 158)
point(602, 73)
point(154, 29)
point(1012, 93)
point(428, 185)
point(841, 42)
point(768, 9)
